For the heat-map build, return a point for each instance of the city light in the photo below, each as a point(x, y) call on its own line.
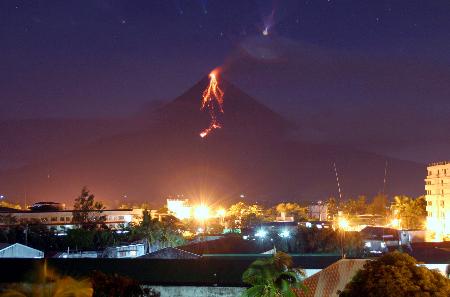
point(343, 223)
point(179, 208)
point(284, 234)
point(395, 223)
point(261, 233)
point(434, 226)
point(221, 212)
point(201, 212)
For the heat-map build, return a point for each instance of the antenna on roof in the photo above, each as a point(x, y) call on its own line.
point(337, 181)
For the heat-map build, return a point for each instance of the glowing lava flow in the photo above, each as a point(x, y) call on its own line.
point(212, 99)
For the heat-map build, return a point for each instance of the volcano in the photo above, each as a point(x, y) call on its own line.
point(256, 155)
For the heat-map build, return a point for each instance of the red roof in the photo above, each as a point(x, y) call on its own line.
point(328, 281)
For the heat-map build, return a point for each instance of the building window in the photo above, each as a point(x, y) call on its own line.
point(442, 203)
point(44, 220)
point(61, 219)
point(430, 203)
point(445, 171)
point(67, 219)
point(54, 219)
point(121, 218)
point(430, 213)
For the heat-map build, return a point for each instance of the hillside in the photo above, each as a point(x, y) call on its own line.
point(255, 154)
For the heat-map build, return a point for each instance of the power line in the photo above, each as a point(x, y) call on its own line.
point(337, 181)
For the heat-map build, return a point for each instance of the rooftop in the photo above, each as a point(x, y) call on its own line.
point(439, 163)
point(204, 271)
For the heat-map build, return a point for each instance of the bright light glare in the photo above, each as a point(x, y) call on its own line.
point(201, 212)
point(343, 223)
point(395, 223)
point(221, 212)
point(435, 227)
point(261, 233)
point(284, 234)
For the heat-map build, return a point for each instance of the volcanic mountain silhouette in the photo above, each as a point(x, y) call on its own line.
point(255, 153)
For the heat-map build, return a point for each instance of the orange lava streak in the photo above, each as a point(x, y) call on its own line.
point(212, 99)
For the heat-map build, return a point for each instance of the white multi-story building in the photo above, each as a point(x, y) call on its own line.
point(179, 208)
point(63, 219)
point(437, 187)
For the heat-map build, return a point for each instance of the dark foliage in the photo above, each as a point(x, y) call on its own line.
point(115, 285)
point(396, 275)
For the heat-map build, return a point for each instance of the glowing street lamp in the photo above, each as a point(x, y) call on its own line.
point(343, 226)
point(221, 212)
point(396, 223)
point(261, 233)
point(201, 212)
point(343, 223)
point(285, 234)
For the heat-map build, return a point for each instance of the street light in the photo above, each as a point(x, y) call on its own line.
point(221, 212)
point(395, 223)
point(284, 234)
point(343, 223)
point(343, 226)
point(201, 212)
point(261, 233)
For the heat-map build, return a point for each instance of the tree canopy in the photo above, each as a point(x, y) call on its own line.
point(87, 211)
point(293, 209)
point(395, 275)
point(272, 277)
point(242, 215)
point(411, 212)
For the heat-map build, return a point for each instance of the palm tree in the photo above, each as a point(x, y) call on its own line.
point(273, 277)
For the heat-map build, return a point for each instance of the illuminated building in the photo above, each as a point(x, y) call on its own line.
point(318, 211)
point(437, 187)
point(179, 208)
point(61, 220)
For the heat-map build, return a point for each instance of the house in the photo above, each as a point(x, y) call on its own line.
point(328, 281)
point(171, 253)
point(125, 251)
point(17, 250)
